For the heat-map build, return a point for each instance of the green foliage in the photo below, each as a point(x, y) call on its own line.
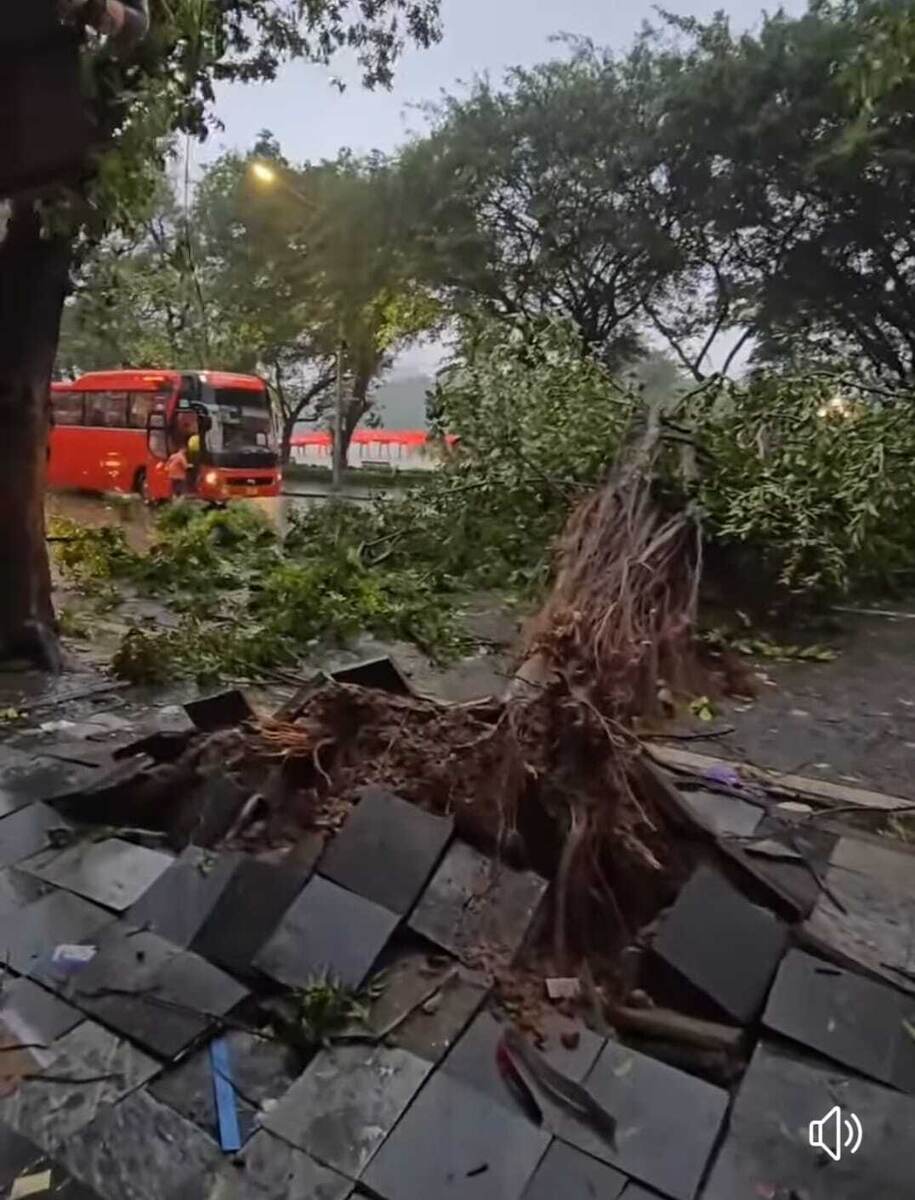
point(810, 484)
point(251, 601)
point(325, 1007)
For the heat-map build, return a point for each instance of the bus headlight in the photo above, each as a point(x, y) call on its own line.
point(211, 478)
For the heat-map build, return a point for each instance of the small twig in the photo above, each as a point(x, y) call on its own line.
point(317, 762)
point(41, 1077)
point(689, 737)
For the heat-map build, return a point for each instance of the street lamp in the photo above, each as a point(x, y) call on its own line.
point(270, 177)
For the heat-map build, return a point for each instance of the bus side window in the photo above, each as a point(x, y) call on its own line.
point(67, 408)
point(141, 405)
point(107, 409)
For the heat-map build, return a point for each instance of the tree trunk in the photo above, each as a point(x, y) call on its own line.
point(289, 424)
point(33, 281)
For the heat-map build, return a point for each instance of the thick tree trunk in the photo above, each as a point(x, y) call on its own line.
point(33, 281)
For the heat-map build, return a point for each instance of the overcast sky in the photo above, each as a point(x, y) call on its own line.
point(313, 120)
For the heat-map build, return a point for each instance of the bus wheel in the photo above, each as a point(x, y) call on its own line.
point(141, 486)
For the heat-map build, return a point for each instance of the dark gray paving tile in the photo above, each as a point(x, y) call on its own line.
point(260, 1070)
point(25, 778)
point(35, 1014)
point(112, 872)
point(248, 911)
point(276, 1171)
point(636, 1192)
point(219, 710)
point(382, 673)
point(27, 831)
point(327, 928)
point(142, 1150)
point(126, 960)
point(767, 1150)
point(346, 1103)
point(723, 814)
point(210, 811)
point(387, 849)
point(455, 1141)
point(892, 867)
point(29, 936)
point(848, 1018)
point(473, 902)
point(174, 1002)
point(569, 1174)
point(473, 1059)
point(181, 899)
point(433, 1027)
point(667, 1121)
point(17, 889)
point(724, 947)
point(51, 1113)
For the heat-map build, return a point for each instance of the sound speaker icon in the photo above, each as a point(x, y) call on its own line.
point(836, 1133)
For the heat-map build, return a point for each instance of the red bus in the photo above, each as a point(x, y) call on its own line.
point(112, 431)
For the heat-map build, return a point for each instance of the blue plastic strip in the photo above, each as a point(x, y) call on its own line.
point(224, 1093)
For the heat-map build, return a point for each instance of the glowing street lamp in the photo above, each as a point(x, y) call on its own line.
point(262, 173)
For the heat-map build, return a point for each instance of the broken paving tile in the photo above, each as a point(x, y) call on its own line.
point(726, 948)
point(434, 1026)
point(477, 907)
point(174, 1004)
point(34, 1014)
point(260, 1070)
point(767, 1149)
point(27, 778)
point(387, 849)
point(848, 1018)
point(181, 899)
point(381, 673)
point(725, 815)
point(112, 872)
point(346, 1104)
point(473, 1059)
point(210, 811)
point(277, 1171)
point(667, 1122)
point(142, 1150)
point(891, 868)
point(569, 1174)
point(219, 711)
point(27, 831)
point(18, 889)
point(29, 936)
point(17, 1155)
point(454, 1141)
point(327, 929)
point(51, 1113)
point(876, 930)
point(248, 911)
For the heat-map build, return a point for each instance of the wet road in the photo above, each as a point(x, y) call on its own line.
point(138, 521)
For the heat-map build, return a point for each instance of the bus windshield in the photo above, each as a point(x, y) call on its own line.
point(242, 420)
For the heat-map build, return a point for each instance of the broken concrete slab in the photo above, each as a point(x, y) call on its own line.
point(260, 1070)
point(767, 1149)
point(433, 1026)
point(29, 830)
point(51, 1113)
point(247, 912)
point(29, 939)
point(140, 1149)
point(180, 900)
point(667, 1122)
point(25, 778)
point(456, 1141)
point(326, 929)
point(211, 809)
point(277, 1171)
point(723, 947)
point(17, 1155)
point(113, 873)
point(892, 867)
point(723, 814)
point(850, 1019)
point(568, 1173)
point(34, 1014)
point(381, 673)
point(346, 1103)
point(387, 849)
point(475, 906)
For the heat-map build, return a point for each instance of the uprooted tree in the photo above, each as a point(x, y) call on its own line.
point(136, 94)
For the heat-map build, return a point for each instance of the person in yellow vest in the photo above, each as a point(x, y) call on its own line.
point(193, 461)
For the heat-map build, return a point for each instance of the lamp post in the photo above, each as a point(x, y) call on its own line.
point(269, 176)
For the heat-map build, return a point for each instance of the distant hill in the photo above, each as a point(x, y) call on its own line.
point(401, 401)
